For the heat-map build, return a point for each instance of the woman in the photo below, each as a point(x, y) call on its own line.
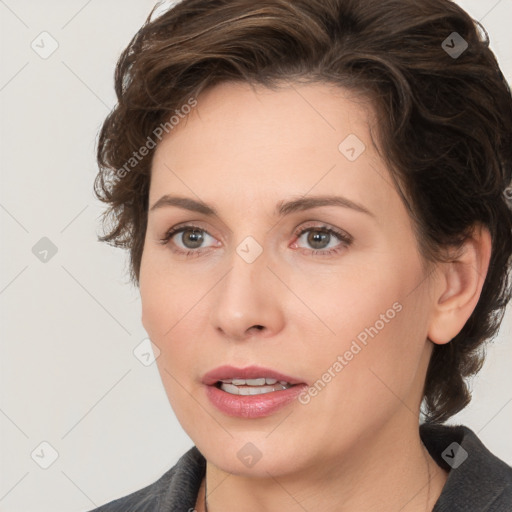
point(315, 197)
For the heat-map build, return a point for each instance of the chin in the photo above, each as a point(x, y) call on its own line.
point(254, 454)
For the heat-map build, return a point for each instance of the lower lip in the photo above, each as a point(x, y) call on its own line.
point(252, 406)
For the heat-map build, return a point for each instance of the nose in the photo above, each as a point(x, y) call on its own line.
point(248, 301)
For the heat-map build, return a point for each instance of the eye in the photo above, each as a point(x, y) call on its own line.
point(322, 239)
point(191, 239)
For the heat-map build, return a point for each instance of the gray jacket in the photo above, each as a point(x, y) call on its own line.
point(478, 481)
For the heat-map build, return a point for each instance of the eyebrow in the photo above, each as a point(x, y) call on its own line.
point(282, 208)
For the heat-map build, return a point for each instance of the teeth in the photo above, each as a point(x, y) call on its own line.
point(229, 388)
point(255, 382)
point(249, 390)
point(261, 381)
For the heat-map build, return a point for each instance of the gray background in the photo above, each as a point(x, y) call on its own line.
point(69, 325)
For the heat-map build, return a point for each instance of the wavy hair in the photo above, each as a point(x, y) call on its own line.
point(444, 124)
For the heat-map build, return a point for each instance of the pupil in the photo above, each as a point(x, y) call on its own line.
point(316, 237)
point(195, 242)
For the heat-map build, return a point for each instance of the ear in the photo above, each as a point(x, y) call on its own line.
point(458, 285)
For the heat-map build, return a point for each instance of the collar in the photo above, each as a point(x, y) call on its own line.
point(477, 479)
point(479, 483)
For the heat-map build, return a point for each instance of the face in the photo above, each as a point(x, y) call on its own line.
point(308, 270)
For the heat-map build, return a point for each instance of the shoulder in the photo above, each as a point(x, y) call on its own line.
point(478, 480)
point(176, 489)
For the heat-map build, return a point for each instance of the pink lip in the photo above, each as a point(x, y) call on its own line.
point(252, 406)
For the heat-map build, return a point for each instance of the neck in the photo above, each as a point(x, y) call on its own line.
point(389, 472)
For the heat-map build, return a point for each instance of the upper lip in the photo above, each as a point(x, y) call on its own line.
point(250, 372)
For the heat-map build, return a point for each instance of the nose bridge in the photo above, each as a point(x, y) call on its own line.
point(247, 296)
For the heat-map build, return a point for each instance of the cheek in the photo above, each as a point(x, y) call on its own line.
point(165, 296)
point(362, 378)
point(348, 303)
point(386, 371)
point(174, 312)
point(378, 329)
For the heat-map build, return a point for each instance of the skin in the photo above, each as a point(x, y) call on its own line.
point(355, 446)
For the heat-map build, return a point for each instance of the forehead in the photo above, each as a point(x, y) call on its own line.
point(298, 115)
point(256, 143)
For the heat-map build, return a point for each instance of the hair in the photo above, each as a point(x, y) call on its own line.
point(444, 125)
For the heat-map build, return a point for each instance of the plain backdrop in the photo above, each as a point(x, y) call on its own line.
point(70, 323)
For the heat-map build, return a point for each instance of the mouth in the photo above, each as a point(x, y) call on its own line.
point(251, 392)
point(258, 386)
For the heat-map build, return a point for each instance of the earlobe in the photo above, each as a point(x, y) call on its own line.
point(458, 287)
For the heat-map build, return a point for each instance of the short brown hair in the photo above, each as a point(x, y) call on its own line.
point(445, 124)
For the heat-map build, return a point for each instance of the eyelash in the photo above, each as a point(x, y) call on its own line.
point(345, 239)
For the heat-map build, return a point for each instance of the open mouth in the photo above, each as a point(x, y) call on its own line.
point(258, 386)
point(251, 392)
